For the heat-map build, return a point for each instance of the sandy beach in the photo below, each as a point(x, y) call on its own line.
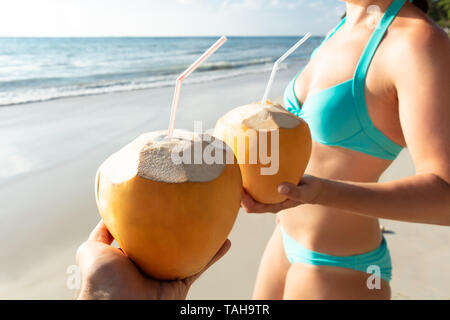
point(48, 207)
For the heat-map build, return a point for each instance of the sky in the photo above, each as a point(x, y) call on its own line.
point(94, 18)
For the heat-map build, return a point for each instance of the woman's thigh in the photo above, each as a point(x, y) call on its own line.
point(270, 281)
point(306, 282)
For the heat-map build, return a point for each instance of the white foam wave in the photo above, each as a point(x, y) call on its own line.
point(103, 87)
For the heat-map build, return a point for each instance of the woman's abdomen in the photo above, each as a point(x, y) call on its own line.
point(328, 230)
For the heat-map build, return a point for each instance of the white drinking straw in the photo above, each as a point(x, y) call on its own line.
point(184, 75)
point(277, 64)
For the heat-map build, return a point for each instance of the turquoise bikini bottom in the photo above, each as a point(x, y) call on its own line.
point(377, 261)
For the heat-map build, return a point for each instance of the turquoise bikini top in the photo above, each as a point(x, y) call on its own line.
point(338, 116)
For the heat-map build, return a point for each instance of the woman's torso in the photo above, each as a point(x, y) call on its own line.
point(325, 229)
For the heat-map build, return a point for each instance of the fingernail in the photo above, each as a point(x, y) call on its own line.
point(283, 189)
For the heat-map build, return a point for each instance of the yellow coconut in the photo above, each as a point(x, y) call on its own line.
point(271, 145)
point(169, 208)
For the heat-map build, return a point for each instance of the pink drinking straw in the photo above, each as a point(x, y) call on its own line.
point(184, 75)
point(277, 65)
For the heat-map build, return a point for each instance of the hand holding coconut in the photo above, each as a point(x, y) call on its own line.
point(168, 205)
point(107, 273)
point(272, 146)
point(306, 192)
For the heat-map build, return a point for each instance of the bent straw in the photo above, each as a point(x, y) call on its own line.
point(184, 75)
point(277, 64)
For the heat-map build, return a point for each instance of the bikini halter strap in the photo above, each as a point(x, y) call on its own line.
point(359, 81)
point(376, 38)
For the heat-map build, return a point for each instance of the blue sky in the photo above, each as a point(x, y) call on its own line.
point(167, 17)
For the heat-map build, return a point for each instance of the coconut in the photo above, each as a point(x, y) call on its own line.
point(271, 145)
point(168, 207)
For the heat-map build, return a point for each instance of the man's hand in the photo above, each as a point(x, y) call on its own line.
point(306, 192)
point(107, 273)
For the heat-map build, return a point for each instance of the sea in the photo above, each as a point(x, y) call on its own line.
point(41, 69)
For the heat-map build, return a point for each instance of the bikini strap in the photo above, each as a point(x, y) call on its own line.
point(341, 23)
point(359, 81)
point(376, 38)
point(336, 29)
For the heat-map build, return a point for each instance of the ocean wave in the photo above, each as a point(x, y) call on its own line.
point(226, 65)
point(165, 71)
point(110, 86)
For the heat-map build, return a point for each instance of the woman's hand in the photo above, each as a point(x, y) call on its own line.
point(107, 273)
point(306, 192)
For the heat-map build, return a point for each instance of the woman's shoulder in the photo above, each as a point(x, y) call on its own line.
point(416, 50)
point(416, 32)
point(415, 41)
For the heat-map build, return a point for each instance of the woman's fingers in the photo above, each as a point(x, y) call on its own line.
point(289, 203)
point(307, 190)
point(291, 191)
point(252, 206)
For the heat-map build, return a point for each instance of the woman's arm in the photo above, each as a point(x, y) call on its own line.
point(424, 198)
point(421, 75)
